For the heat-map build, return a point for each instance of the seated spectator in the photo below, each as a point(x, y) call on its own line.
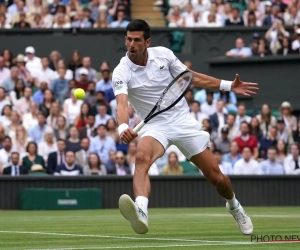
point(132, 116)
point(73, 142)
point(83, 154)
point(101, 21)
point(24, 74)
point(289, 119)
point(73, 7)
point(15, 122)
point(286, 47)
point(15, 169)
point(92, 73)
point(225, 167)
point(3, 22)
point(55, 112)
point(22, 106)
point(95, 166)
point(105, 84)
point(195, 112)
point(56, 158)
point(3, 101)
point(89, 130)
point(83, 81)
point(47, 18)
point(223, 143)
point(283, 133)
point(102, 117)
point(61, 131)
point(275, 34)
point(33, 63)
point(269, 20)
point(173, 167)
point(247, 140)
point(291, 16)
point(269, 141)
point(48, 145)
point(4, 72)
point(213, 13)
point(194, 21)
point(37, 132)
point(81, 119)
point(71, 107)
point(119, 168)
point(254, 13)
point(21, 24)
point(266, 119)
point(296, 133)
point(175, 19)
point(69, 168)
point(46, 105)
point(95, 8)
point(229, 99)
point(5, 153)
point(271, 166)
point(234, 20)
point(54, 58)
point(102, 144)
point(38, 96)
point(201, 5)
point(60, 83)
point(212, 21)
point(218, 119)
point(37, 22)
point(255, 129)
point(20, 141)
point(296, 42)
point(263, 49)
point(292, 162)
point(233, 156)
point(9, 83)
point(8, 58)
point(131, 154)
point(87, 15)
point(232, 128)
point(247, 165)
point(80, 21)
point(18, 91)
point(5, 118)
point(32, 157)
point(65, 94)
point(90, 95)
point(207, 127)
point(240, 50)
point(62, 65)
point(61, 22)
point(210, 106)
point(112, 129)
point(112, 159)
point(241, 115)
point(75, 61)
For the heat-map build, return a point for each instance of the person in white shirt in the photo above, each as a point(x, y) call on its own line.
point(291, 163)
point(69, 73)
point(72, 107)
point(225, 167)
point(82, 156)
point(195, 111)
point(33, 63)
point(46, 74)
point(241, 115)
point(234, 130)
point(48, 145)
point(210, 106)
point(5, 153)
point(194, 21)
point(102, 117)
point(4, 72)
point(247, 165)
point(188, 13)
point(132, 116)
point(141, 77)
point(271, 166)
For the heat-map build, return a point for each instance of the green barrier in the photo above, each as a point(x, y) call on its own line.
point(60, 199)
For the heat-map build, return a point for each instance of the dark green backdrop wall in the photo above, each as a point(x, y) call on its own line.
point(278, 76)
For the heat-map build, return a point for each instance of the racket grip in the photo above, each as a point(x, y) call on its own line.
point(139, 127)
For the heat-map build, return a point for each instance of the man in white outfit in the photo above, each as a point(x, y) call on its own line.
point(141, 77)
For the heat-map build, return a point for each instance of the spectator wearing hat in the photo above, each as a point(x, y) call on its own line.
point(9, 83)
point(4, 72)
point(247, 165)
point(92, 73)
point(37, 170)
point(291, 163)
point(83, 80)
point(271, 166)
point(59, 84)
point(283, 133)
point(289, 119)
point(240, 50)
point(296, 43)
point(33, 63)
point(223, 143)
point(15, 169)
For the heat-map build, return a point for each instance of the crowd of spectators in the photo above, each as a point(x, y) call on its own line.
point(64, 14)
point(44, 129)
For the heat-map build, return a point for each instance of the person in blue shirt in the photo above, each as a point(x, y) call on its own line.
point(120, 22)
point(240, 50)
point(271, 166)
point(233, 156)
point(37, 132)
point(59, 84)
point(38, 96)
point(105, 85)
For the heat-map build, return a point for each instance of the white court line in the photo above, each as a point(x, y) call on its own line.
point(128, 238)
point(251, 215)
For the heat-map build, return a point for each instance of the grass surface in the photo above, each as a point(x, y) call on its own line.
point(195, 228)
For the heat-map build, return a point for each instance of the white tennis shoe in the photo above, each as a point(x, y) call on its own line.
point(134, 214)
point(243, 221)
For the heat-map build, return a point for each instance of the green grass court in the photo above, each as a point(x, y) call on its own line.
point(193, 228)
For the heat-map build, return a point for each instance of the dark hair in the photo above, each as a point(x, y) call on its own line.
point(248, 148)
point(91, 82)
point(217, 151)
point(6, 137)
point(18, 94)
point(248, 125)
point(272, 148)
point(208, 92)
point(110, 120)
point(102, 104)
point(70, 151)
point(102, 125)
point(98, 158)
point(232, 115)
point(82, 118)
point(63, 140)
point(32, 143)
point(90, 113)
point(242, 104)
point(53, 96)
point(227, 96)
point(196, 102)
point(295, 144)
point(189, 90)
point(139, 25)
point(100, 92)
point(4, 108)
point(15, 153)
point(237, 9)
point(41, 113)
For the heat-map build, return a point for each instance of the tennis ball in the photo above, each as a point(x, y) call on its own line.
point(79, 94)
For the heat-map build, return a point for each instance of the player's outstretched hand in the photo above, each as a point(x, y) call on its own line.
point(243, 88)
point(128, 135)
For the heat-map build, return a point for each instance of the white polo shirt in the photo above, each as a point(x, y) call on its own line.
point(145, 84)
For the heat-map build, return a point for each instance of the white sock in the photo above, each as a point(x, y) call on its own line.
point(233, 203)
point(143, 202)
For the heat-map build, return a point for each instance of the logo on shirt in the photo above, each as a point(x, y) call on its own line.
point(161, 67)
point(118, 85)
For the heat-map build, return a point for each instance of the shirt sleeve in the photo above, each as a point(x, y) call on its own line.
point(175, 65)
point(120, 80)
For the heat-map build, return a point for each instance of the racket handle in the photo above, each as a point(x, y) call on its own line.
point(139, 127)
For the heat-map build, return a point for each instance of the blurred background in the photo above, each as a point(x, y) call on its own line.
point(51, 142)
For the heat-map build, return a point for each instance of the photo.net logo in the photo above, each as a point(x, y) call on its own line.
point(275, 238)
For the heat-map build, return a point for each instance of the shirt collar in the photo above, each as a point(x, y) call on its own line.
point(133, 66)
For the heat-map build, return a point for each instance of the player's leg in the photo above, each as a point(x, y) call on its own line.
point(148, 150)
point(210, 169)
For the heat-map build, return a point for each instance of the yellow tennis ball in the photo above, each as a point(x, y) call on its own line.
point(79, 94)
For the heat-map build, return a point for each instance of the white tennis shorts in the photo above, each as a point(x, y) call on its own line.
point(185, 133)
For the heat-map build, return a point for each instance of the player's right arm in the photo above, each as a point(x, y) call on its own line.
point(120, 80)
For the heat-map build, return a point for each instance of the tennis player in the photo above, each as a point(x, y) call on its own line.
point(140, 78)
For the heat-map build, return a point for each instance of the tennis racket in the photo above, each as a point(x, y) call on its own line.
point(170, 97)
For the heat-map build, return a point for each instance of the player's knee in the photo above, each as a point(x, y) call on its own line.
point(216, 178)
point(142, 159)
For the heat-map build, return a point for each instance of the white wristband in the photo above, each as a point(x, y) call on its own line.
point(122, 127)
point(225, 85)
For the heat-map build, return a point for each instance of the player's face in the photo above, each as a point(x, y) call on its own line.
point(136, 44)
